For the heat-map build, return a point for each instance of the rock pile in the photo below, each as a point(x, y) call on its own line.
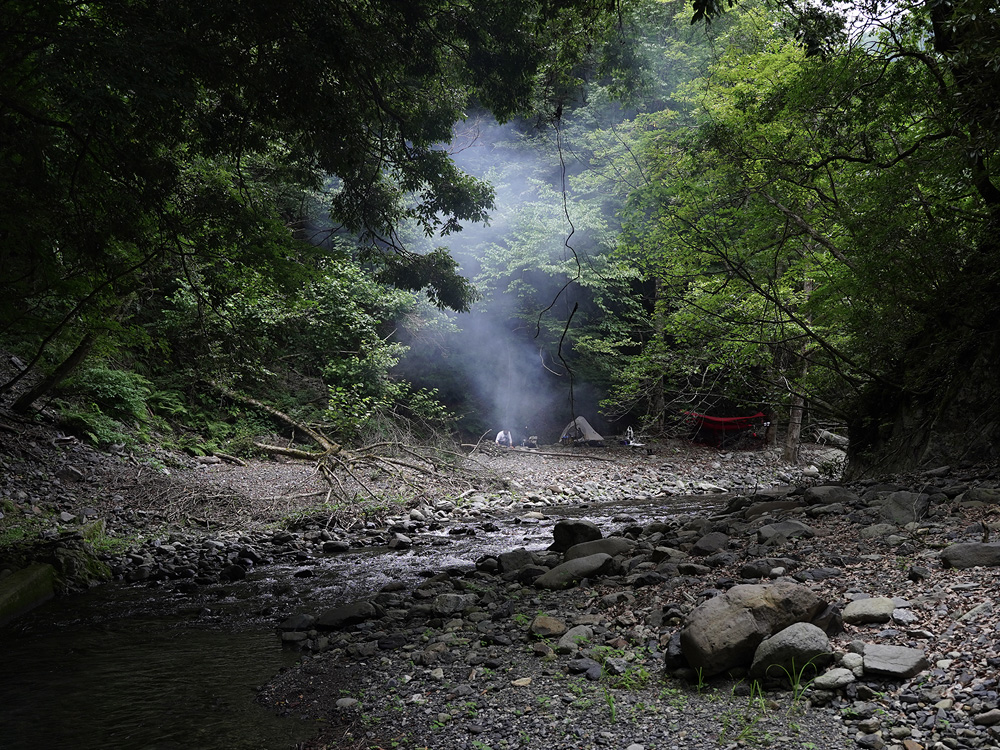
point(856, 599)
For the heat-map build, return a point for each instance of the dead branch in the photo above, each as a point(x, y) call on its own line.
point(291, 452)
point(423, 469)
point(231, 459)
point(328, 446)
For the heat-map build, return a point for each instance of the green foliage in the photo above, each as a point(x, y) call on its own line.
point(91, 423)
point(119, 394)
point(169, 204)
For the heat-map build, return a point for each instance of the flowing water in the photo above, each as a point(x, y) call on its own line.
point(142, 668)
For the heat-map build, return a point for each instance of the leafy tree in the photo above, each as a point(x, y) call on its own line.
point(152, 140)
point(844, 192)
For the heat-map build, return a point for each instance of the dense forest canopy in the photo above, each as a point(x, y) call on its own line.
point(782, 206)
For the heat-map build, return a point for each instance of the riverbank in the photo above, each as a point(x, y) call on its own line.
point(472, 670)
point(466, 660)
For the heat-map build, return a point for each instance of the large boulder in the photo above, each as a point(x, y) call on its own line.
point(724, 632)
point(568, 573)
point(971, 555)
point(26, 589)
point(515, 559)
point(798, 650)
point(825, 494)
point(569, 532)
point(347, 615)
point(903, 507)
point(613, 545)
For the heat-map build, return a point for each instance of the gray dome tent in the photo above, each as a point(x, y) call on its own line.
point(580, 431)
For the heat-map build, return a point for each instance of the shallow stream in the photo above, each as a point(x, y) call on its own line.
point(142, 668)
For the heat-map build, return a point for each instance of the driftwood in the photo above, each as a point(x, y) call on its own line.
point(405, 463)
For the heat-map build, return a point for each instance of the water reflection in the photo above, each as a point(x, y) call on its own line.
point(141, 685)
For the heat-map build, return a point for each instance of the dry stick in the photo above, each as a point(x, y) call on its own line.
point(320, 439)
point(478, 442)
point(462, 455)
point(231, 459)
point(354, 476)
point(291, 452)
point(406, 465)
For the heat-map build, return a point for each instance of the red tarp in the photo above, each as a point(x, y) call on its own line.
point(722, 431)
point(724, 424)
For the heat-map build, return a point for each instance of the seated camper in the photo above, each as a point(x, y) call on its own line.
point(504, 439)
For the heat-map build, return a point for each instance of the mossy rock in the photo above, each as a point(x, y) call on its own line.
point(78, 568)
point(25, 589)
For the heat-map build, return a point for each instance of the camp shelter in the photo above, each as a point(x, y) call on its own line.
point(726, 431)
point(580, 431)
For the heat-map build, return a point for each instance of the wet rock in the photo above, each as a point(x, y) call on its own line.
point(233, 573)
point(25, 589)
point(77, 567)
point(514, 560)
point(569, 532)
point(297, 622)
point(613, 545)
point(346, 615)
point(400, 542)
point(570, 572)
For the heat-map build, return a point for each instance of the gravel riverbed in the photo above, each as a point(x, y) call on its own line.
point(473, 655)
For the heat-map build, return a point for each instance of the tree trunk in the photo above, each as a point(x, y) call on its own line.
point(790, 451)
point(657, 401)
point(46, 384)
point(771, 433)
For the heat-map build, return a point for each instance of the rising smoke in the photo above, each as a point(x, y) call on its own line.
point(494, 369)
